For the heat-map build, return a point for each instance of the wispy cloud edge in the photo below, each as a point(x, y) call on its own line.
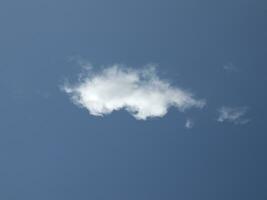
point(233, 114)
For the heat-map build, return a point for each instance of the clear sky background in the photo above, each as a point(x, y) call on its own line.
point(52, 149)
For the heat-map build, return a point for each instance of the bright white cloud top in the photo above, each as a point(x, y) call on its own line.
point(141, 92)
point(233, 114)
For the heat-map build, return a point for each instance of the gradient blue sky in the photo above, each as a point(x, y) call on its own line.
point(51, 149)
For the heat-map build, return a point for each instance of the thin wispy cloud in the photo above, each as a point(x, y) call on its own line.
point(81, 62)
point(230, 67)
point(139, 91)
point(234, 115)
point(189, 123)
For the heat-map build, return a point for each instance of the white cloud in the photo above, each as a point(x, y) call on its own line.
point(189, 123)
point(233, 114)
point(141, 92)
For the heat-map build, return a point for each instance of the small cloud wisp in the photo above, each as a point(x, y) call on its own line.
point(189, 123)
point(230, 67)
point(233, 114)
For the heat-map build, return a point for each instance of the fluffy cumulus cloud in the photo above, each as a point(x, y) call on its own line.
point(139, 91)
point(233, 114)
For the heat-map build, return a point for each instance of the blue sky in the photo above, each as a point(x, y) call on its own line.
point(53, 143)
